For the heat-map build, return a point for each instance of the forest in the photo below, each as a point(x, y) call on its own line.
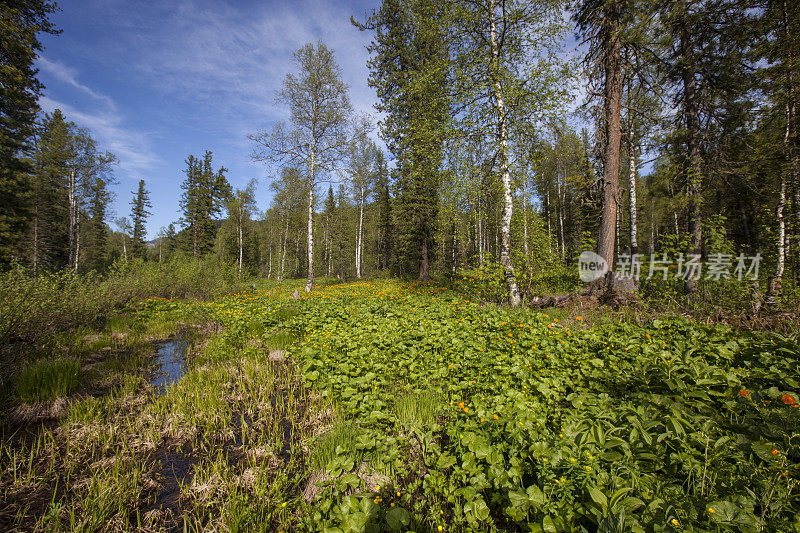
point(551, 284)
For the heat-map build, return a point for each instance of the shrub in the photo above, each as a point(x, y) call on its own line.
point(36, 310)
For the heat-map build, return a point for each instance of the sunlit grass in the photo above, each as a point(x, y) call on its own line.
point(418, 410)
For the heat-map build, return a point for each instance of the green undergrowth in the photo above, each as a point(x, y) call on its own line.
point(406, 407)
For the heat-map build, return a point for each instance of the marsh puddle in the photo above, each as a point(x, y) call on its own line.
point(170, 362)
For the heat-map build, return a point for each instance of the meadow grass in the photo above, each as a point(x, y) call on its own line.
point(49, 379)
point(418, 410)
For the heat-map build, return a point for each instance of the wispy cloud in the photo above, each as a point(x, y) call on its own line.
point(233, 60)
point(133, 148)
point(69, 76)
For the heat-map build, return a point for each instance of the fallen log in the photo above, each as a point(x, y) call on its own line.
point(612, 289)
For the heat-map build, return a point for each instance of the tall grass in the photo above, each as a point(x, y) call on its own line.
point(48, 379)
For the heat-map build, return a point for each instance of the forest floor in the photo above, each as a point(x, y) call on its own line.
point(389, 406)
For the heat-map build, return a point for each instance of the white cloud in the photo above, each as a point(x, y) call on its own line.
point(69, 76)
point(132, 148)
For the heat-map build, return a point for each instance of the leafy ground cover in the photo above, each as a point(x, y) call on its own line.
point(383, 406)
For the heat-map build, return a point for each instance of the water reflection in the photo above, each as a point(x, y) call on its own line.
point(170, 363)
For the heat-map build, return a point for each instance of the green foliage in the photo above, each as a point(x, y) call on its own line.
point(486, 282)
point(204, 195)
point(19, 92)
point(279, 341)
point(139, 213)
point(339, 441)
point(418, 410)
point(35, 310)
point(409, 70)
point(48, 379)
point(550, 426)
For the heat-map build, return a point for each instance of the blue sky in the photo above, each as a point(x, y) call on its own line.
point(157, 81)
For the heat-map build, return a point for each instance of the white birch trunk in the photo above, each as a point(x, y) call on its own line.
point(632, 188)
point(360, 229)
point(549, 230)
point(310, 279)
point(502, 137)
point(285, 228)
point(71, 195)
point(525, 222)
point(77, 241)
point(241, 245)
point(269, 271)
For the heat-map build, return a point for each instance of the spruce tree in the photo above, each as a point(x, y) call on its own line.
point(97, 230)
point(21, 22)
point(409, 71)
point(205, 193)
point(140, 206)
point(385, 224)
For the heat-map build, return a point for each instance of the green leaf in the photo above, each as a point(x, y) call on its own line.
point(537, 497)
point(397, 517)
point(519, 499)
point(598, 497)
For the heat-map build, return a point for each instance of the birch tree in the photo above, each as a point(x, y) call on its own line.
point(506, 70)
point(241, 207)
point(361, 173)
point(316, 138)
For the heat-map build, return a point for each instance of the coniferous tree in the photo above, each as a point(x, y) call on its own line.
point(385, 225)
point(409, 71)
point(21, 22)
point(70, 177)
point(140, 206)
point(205, 193)
point(52, 156)
point(97, 230)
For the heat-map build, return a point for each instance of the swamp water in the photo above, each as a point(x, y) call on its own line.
point(170, 362)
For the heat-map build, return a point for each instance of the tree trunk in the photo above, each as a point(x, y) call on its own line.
point(632, 190)
point(72, 220)
point(561, 201)
point(269, 272)
point(652, 227)
point(241, 246)
point(691, 116)
point(453, 270)
point(285, 227)
point(774, 289)
point(617, 227)
point(549, 229)
point(526, 248)
point(502, 137)
point(124, 247)
point(36, 243)
point(310, 279)
point(423, 262)
point(77, 242)
point(360, 228)
point(611, 112)
point(480, 235)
